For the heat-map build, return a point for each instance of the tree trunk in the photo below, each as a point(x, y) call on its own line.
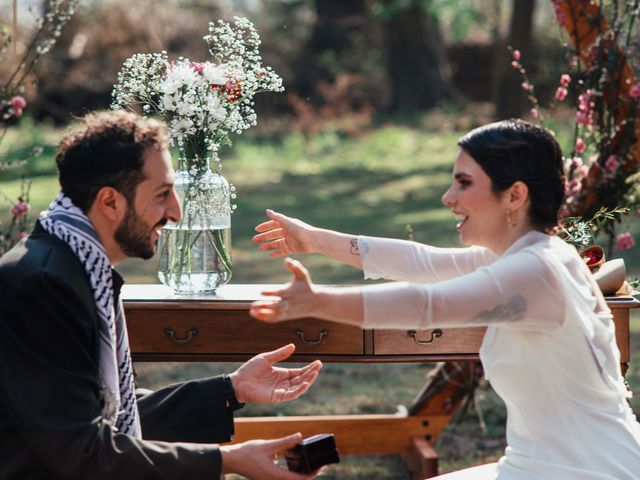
point(416, 62)
point(509, 97)
point(331, 44)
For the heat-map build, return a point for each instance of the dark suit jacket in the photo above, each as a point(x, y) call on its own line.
point(50, 402)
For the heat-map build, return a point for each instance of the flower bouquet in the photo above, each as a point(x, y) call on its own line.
point(202, 103)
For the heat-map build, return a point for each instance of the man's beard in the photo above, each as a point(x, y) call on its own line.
point(133, 236)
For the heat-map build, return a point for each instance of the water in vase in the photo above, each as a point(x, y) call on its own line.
point(194, 260)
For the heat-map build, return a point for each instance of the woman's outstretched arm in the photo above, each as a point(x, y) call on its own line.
point(285, 236)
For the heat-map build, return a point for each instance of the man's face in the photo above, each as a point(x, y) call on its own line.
point(155, 203)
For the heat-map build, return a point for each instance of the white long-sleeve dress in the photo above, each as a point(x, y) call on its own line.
point(549, 351)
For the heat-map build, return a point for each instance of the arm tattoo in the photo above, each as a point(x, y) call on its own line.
point(512, 311)
point(355, 250)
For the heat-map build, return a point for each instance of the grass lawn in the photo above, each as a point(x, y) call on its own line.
point(376, 184)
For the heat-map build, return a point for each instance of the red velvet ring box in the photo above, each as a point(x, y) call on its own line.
point(312, 453)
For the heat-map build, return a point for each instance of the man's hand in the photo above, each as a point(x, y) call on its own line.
point(257, 459)
point(258, 381)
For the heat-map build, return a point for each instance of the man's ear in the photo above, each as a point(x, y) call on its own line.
point(517, 195)
point(110, 203)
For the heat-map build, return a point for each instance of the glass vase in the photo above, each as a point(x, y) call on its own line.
point(195, 253)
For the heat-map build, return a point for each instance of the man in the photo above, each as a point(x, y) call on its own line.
point(67, 403)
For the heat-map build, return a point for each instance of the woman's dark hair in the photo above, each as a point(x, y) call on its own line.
point(515, 150)
point(106, 150)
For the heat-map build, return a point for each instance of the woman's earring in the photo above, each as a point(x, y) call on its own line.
point(510, 221)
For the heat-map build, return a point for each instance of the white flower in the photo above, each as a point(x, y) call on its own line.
point(178, 75)
point(168, 102)
point(215, 108)
point(214, 74)
point(183, 126)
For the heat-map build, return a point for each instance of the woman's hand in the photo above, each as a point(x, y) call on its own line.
point(284, 235)
point(297, 299)
point(301, 298)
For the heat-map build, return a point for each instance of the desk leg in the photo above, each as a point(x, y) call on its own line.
point(422, 461)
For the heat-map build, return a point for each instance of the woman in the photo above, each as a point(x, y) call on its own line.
point(549, 350)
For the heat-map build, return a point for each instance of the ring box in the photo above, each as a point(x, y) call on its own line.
point(312, 453)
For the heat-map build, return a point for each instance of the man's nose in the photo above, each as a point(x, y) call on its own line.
point(174, 210)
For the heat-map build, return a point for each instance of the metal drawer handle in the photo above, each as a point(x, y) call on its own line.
point(323, 333)
point(435, 333)
point(171, 333)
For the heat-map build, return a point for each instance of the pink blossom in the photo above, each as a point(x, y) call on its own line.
point(516, 55)
point(580, 145)
point(624, 241)
point(18, 103)
point(576, 162)
point(197, 67)
point(534, 112)
point(612, 163)
point(561, 94)
point(17, 112)
point(525, 86)
point(515, 65)
point(560, 17)
point(584, 171)
point(565, 79)
point(583, 118)
point(20, 209)
point(634, 91)
point(572, 187)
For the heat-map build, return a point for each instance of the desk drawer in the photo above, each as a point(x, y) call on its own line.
point(433, 341)
point(200, 332)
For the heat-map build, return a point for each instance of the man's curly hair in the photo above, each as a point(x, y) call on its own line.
point(107, 150)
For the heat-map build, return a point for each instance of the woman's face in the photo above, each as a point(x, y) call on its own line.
point(482, 213)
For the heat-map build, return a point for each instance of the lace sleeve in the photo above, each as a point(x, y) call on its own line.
point(402, 260)
point(516, 291)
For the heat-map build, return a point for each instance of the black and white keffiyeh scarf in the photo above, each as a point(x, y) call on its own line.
point(67, 222)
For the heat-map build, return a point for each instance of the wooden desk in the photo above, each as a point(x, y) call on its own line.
point(167, 327)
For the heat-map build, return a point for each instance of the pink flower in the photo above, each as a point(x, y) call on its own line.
point(572, 187)
point(583, 118)
point(515, 65)
point(516, 55)
point(576, 162)
point(624, 241)
point(560, 17)
point(17, 112)
point(634, 91)
point(197, 67)
point(584, 171)
point(561, 94)
point(580, 145)
point(20, 209)
point(525, 86)
point(565, 79)
point(534, 112)
point(612, 163)
point(18, 103)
